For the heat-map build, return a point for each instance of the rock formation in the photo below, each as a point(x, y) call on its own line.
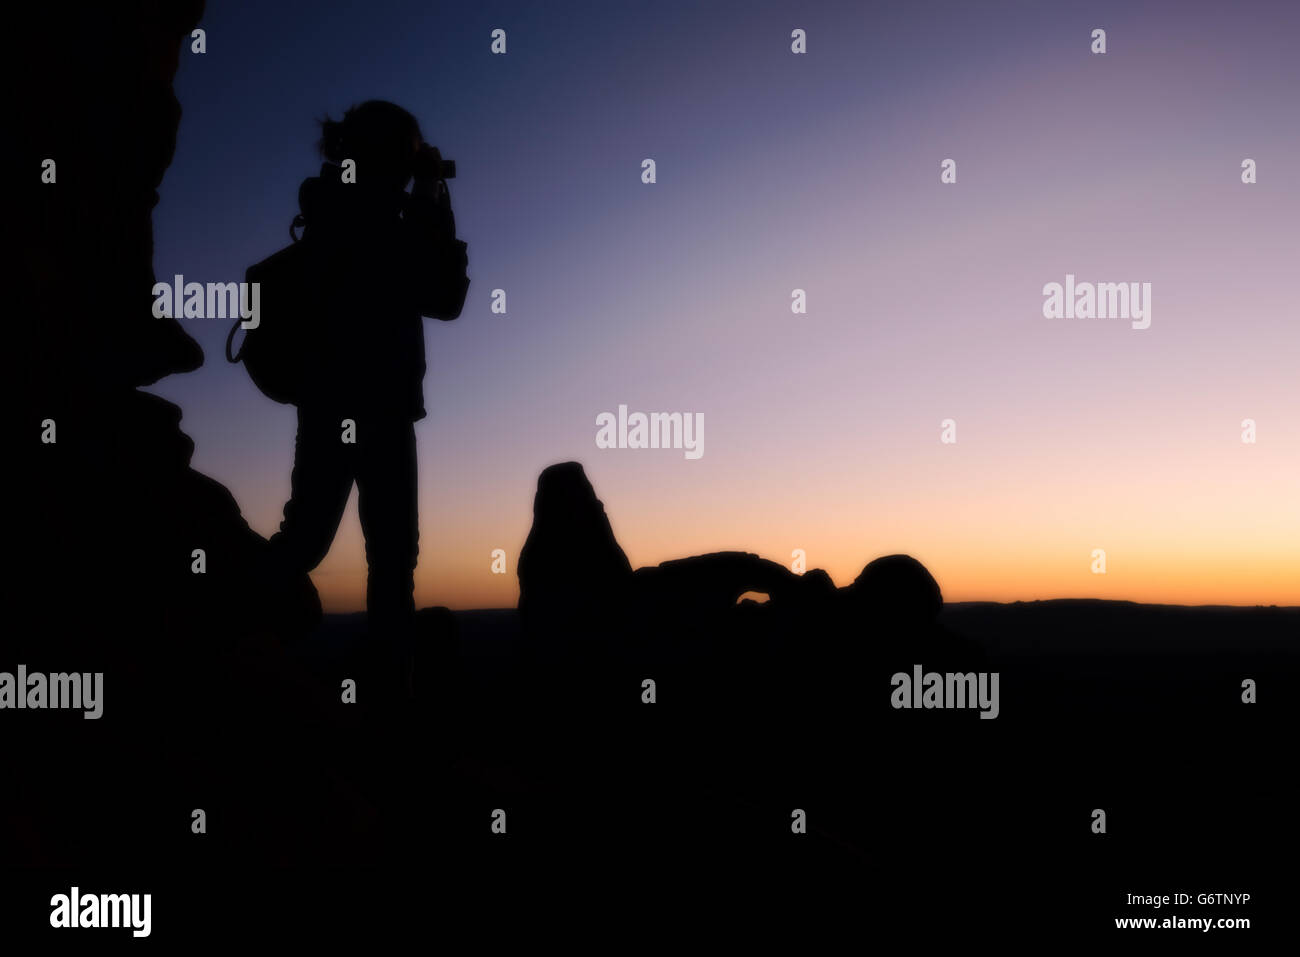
point(575, 579)
point(111, 516)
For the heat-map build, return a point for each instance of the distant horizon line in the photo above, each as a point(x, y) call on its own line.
point(946, 604)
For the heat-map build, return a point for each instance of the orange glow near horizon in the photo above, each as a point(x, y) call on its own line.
point(1202, 542)
point(924, 303)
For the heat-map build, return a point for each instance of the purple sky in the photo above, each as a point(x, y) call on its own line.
point(821, 172)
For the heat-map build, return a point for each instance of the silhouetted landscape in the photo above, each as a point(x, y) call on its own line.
point(761, 708)
point(224, 690)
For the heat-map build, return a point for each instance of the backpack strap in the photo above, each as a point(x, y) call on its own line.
point(230, 337)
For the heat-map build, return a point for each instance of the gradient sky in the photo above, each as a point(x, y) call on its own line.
point(820, 172)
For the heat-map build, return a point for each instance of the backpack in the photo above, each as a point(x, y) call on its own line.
point(276, 352)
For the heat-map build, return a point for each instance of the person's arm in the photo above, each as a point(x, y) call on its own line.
point(438, 261)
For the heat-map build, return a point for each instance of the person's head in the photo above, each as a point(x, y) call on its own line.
point(380, 136)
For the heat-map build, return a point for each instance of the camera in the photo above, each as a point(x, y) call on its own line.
point(430, 164)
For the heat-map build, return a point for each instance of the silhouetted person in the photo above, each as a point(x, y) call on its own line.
point(382, 259)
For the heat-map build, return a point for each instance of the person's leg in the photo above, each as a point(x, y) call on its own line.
point(387, 501)
point(321, 481)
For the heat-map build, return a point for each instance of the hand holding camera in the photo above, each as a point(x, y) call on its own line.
point(429, 164)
